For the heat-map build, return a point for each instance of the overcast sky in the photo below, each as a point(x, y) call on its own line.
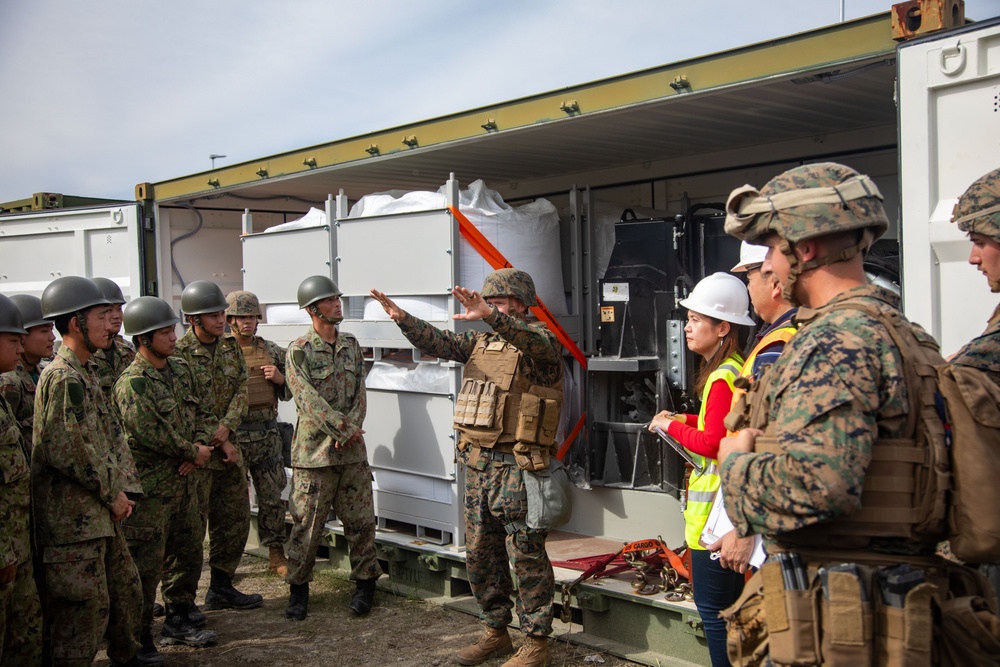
point(98, 96)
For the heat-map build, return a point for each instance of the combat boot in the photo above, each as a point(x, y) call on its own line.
point(363, 598)
point(190, 612)
point(148, 655)
point(278, 564)
point(222, 595)
point(493, 643)
point(178, 630)
point(534, 652)
point(298, 602)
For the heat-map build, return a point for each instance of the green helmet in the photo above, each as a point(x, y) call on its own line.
point(71, 294)
point(978, 209)
point(147, 313)
point(510, 282)
point(31, 310)
point(314, 288)
point(242, 303)
point(807, 202)
point(112, 292)
point(202, 297)
point(10, 317)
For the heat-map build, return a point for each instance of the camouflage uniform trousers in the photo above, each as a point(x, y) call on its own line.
point(183, 550)
point(494, 498)
point(261, 451)
point(92, 591)
point(20, 620)
point(156, 522)
point(348, 490)
point(224, 498)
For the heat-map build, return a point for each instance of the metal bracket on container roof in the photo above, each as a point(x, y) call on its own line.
point(681, 83)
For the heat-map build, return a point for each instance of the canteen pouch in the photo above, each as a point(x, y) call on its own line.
point(904, 635)
point(550, 503)
point(746, 626)
point(792, 619)
point(970, 633)
point(847, 622)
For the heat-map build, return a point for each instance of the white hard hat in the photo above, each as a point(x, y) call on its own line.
point(750, 256)
point(722, 296)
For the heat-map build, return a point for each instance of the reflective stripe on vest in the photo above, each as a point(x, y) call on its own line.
point(702, 488)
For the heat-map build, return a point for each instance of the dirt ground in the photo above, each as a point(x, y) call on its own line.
point(399, 630)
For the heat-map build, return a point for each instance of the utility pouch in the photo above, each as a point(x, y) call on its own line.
point(746, 626)
point(904, 635)
point(970, 633)
point(550, 422)
point(467, 403)
point(532, 457)
point(847, 618)
point(487, 406)
point(550, 503)
point(529, 418)
point(792, 618)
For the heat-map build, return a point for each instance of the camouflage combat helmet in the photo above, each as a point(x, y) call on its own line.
point(807, 202)
point(978, 209)
point(146, 314)
point(510, 282)
point(315, 288)
point(71, 294)
point(31, 310)
point(242, 304)
point(202, 297)
point(112, 292)
point(10, 317)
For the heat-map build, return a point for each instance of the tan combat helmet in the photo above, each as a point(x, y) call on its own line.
point(510, 282)
point(242, 304)
point(978, 209)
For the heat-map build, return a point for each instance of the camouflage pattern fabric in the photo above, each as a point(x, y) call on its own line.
point(848, 367)
point(510, 282)
point(978, 209)
point(242, 304)
point(328, 384)
point(111, 363)
point(347, 489)
point(494, 492)
point(20, 609)
point(79, 465)
point(261, 450)
point(983, 351)
point(18, 387)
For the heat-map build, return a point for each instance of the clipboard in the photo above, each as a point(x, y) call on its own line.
point(679, 448)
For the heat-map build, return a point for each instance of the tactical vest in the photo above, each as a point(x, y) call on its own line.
point(703, 486)
point(259, 388)
point(498, 407)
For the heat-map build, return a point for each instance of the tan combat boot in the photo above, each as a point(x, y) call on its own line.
point(494, 642)
point(279, 564)
point(534, 652)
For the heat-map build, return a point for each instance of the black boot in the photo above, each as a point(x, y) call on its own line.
point(222, 595)
point(188, 611)
point(148, 655)
point(298, 602)
point(178, 630)
point(363, 598)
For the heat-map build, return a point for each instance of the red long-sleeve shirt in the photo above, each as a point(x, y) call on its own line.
point(706, 443)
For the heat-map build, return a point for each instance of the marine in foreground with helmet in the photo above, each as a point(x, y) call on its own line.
point(326, 373)
point(808, 468)
point(507, 414)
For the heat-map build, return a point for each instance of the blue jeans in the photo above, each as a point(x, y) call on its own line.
point(715, 588)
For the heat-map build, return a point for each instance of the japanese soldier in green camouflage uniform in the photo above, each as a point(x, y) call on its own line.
point(326, 373)
point(81, 469)
point(167, 429)
point(20, 610)
point(114, 360)
point(257, 437)
point(220, 376)
point(507, 414)
point(18, 385)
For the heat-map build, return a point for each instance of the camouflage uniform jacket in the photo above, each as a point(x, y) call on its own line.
point(15, 492)
point(282, 392)
point(220, 380)
point(18, 387)
point(162, 421)
point(112, 362)
point(983, 351)
point(79, 463)
point(328, 384)
point(845, 366)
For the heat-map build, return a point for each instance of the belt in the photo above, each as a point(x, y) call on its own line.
point(494, 455)
point(258, 426)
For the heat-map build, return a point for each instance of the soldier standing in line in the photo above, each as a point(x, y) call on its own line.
point(257, 437)
point(518, 366)
point(81, 469)
point(18, 385)
point(167, 429)
point(326, 373)
point(220, 374)
point(20, 610)
point(115, 359)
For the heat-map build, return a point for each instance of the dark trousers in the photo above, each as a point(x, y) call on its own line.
point(715, 588)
